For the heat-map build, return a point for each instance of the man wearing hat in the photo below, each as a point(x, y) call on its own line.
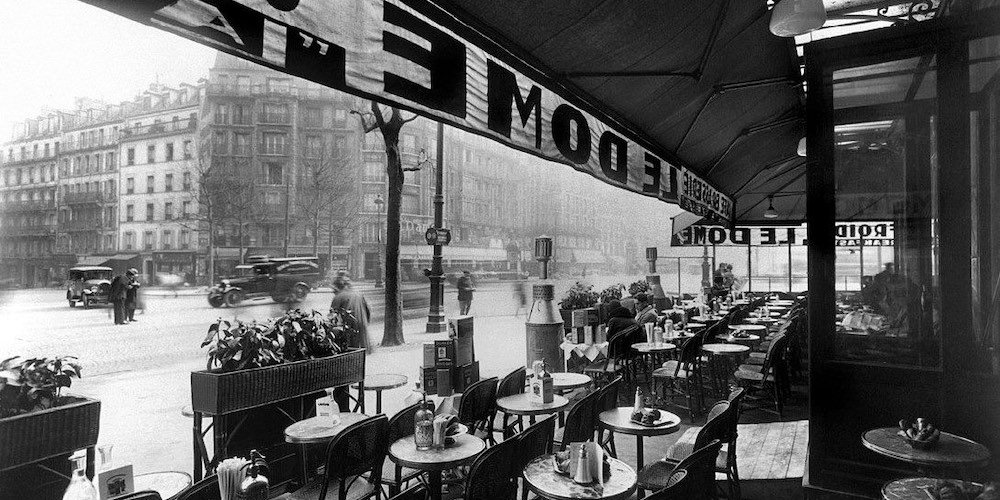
point(117, 295)
point(131, 293)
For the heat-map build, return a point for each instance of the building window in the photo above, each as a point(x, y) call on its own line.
point(170, 151)
point(130, 156)
point(274, 173)
point(109, 161)
point(168, 239)
point(149, 211)
point(129, 240)
point(46, 150)
point(129, 185)
point(147, 240)
point(129, 213)
point(151, 153)
point(339, 115)
point(274, 143)
point(313, 116)
point(242, 114)
point(222, 113)
point(168, 211)
point(241, 144)
point(188, 151)
point(314, 146)
point(282, 85)
point(220, 144)
point(185, 209)
point(168, 182)
point(187, 181)
point(275, 112)
point(150, 183)
point(185, 242)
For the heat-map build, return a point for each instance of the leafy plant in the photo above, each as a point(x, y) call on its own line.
point(307, 335)
point(34, 384)
point(613, 292)
point(638, 287)
point(579, 296)
point(239, 345)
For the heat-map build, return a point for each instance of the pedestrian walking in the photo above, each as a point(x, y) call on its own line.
point(465, 288)
point(131, 294)
point(520, 297)
point(117, 297)
point(349, 301)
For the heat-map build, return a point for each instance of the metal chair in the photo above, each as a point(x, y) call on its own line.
point(478, 407)
point(359, 448)
point(534, 441)
point(699, 480)
point(206, 489)
point(511, 384)
point(607, 401)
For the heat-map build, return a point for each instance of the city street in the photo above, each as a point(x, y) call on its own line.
point(140, 372)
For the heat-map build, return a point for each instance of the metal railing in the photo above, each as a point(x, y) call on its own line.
point(27, 206)
point(89, 197)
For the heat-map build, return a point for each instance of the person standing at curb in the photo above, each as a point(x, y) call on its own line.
point(117, 297)
point(465, 288)
point(131, 294)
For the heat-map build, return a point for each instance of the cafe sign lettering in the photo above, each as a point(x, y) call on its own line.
point(411, 54)
point(849, 234)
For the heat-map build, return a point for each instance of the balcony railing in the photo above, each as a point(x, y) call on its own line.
point(185, 125)
point(89, 197)
point(83, 225)
point(29, 230)
point(27, 206)
point(265, 90)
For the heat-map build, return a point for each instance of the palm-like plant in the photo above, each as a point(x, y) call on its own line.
point(34, 384)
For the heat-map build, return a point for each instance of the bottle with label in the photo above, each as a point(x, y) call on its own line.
point(548, 391)
point(80, 487)
point(423, 427)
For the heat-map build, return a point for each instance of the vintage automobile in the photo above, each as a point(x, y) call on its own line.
point(88, 285)
point(286, 279)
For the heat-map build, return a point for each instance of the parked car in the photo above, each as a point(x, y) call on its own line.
point(286, 279)
point(88, 285)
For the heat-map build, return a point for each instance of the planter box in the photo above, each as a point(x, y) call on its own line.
point(36, 436)
point(215, 393)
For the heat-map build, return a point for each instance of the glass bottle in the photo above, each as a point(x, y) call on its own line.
point(80, 487)
point(637, 407)
point(423, 426)
point(548, 391)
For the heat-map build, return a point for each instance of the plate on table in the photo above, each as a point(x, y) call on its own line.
point(665, 418)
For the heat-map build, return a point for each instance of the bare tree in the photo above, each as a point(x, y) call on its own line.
point(324, 186)
point(389, 128)
point(243, 200)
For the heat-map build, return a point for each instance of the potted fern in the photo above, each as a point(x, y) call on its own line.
point(38, 421)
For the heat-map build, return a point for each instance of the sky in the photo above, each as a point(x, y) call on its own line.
point(52, 51)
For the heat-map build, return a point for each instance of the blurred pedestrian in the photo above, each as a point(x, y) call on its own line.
point(346, 297)
point(117, 297)
point(131, 294)
point(520, 297)
point(465, 288)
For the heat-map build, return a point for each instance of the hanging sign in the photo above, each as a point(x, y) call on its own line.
point(849, 234)
point(437, 236)
point(412, 54)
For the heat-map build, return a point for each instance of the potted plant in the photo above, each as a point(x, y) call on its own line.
point(37, 421)
point(575, 303)
point(637, 287)
point(606, 297)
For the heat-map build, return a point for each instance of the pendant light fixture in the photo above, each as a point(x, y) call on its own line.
point(796, 17)
point(770, 213)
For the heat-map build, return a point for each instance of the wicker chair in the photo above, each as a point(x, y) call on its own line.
point(679, 487)
point(655, 475)
point(141, 495)
point(617, 362)
point(580, 421)
point(478, 407)
point(534, 441)
point(206, 489)
point(767, 378)
point(700, 469)
point(359, 448)
point(682, 377)
point(511, 384)
point(494, 473)
point(608, 401)
point(394, 475)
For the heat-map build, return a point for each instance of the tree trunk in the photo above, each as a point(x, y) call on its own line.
point(211, 250)
point(393, 300)
point(329, 241)
point(316, 236)
point(240, 236)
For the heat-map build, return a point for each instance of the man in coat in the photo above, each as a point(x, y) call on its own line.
point(646, 313)
point(465, 289)
point(117, 297)
point(131, 294)
point(345, 297)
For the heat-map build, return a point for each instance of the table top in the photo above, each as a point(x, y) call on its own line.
point(748, 327)
point(707, 319)
point(759, 314)
point(725, 348)
point(696, 325)
point(167, 483)
point(653, 346)
point(755, 320)
point(521, 404)
point(383, 381)
point(620, 420)
point(748, 338)
point(564, 381)
point(541, 477)
point(404, 452)
point(781, 302)
point(320, 429)
point(951, 450)
point(910, 488)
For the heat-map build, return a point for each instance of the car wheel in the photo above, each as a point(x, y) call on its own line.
point(72, 303)
point(299, 293)
point(277, 297)
point(215, 300)
point(233, 298)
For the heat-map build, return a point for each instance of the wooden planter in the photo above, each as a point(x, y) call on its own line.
point(214, 393)
point(63, 429)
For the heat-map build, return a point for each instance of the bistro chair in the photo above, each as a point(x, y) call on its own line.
point(494, 473)
point(580, 421)
point(700, 469)
point(607, 401)
point(478, 407)
point(728, 465)
point(415, 492)
point(679, 487)
point(141, 495)
point(768, 377)
point(511, 384)
point(617, 361)
point(654, 476)
point(394, 475)
point(682, 377)
point(533, 442)
point(360, 448)
point(206, 489)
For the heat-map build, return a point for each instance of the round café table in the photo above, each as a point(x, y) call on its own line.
point(318, 430)
point(620, 420)
point(653, 350)
point(748, 327)
point(730, 339)
point(694, 326)
point(910, 488)
point(167, 483)
point(707, 319)
point(521, 404)
point(720, 358)
point(379, 382)
point(405, 453)
point(541, 477)
point(567, 381)
point(951, 452)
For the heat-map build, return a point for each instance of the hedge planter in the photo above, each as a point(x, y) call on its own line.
point(59, 430)
point(214, 393)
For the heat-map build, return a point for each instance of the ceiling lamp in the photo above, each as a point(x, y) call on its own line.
point(796, 17)
point(802, 147)
point(770, 213)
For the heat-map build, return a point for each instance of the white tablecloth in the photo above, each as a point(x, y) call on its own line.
point(589, 351)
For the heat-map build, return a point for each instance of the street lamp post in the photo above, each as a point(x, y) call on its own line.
point(435, 313)
point(379, 202)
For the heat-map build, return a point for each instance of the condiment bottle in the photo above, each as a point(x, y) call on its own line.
point(423, 427)
point(255, 486)
point(637, 407)
point(583, 467)
point(658, 335)
point(548, 391)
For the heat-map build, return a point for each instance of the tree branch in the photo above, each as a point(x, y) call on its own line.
point(366, 125)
